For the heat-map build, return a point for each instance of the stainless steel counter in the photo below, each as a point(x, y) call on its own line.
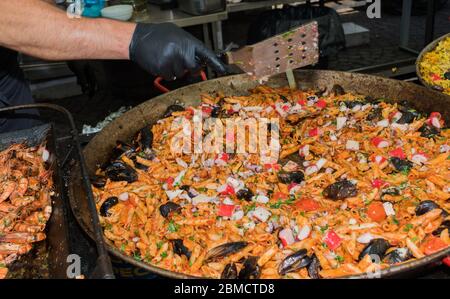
point(243, 6)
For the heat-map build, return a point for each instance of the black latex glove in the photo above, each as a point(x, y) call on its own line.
point(166, 50)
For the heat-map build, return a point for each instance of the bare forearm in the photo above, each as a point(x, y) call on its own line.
point(37, 28)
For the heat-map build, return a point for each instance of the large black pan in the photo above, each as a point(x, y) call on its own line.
point(99, 149)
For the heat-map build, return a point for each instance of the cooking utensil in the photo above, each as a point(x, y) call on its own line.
point(296, 48)
point(202, 7)
point(430, 47)
point(99, 150)
point(57, 228)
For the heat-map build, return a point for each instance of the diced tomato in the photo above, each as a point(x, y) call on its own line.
point(301, 102)
point(230, 111)
point(279, 196)
point(398, 153)
point(313, 132)
point(191, 112)
point(307, 204)
point(332, 240)
point(433, 244)
point(321, 104)
point(228, 191)
point(170, 181)
point(225, 210)
point(378, 183)
point(435, 77)
point(285, 108)
point(376, 212)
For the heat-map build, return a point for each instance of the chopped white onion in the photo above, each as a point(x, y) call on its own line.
point(124, 196)
point(388, 209)
point(261, 214)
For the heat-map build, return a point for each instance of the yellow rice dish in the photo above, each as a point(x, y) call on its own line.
point(435, 67)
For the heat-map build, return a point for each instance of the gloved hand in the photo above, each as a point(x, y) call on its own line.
point(166, 50)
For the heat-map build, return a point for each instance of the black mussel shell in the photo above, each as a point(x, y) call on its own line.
point(140, 166)
point(107, 204)
point(98, 181)
point(428, 131)
point(427, 205)
point(171, 109)
point(185, 187)
point(340, 190)
point(314, 267)
point(444, 225)
point(375, 247)
point(337, 90)
point(122, 148)
point(244, 194)
point(294, 262)
point(180, 249)
point(120, 171)
point(225, 250)
point(447, 75)
point(291, 177)
point(250, 269)
point(215, 112)
point(375, 114)
point(394, 191)
point(408, 116)
point(169, 207)
point(229, 272)
point(145, 138)
point(397, 255)
point(353, 104)
point(401, 165)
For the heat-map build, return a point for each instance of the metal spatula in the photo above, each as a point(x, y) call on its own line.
point(296, 48)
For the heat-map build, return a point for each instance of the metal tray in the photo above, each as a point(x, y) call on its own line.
point(48, 259)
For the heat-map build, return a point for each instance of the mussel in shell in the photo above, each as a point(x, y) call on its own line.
point(340, 190)
point(229, 272)
point(225, 250)
point(244, 194)
point(180, 249)
point(107, 204)
point(337, 90)
point(98, 181)
point(314, 267)
point(375, 114)
point(120, 171)
point(397, 255)
point(171, 109)
point(250, 269)
point(169, 207)
point(408, 115)
point(428, 131)
point(401, 165)
point(444, 225)
point(375, 247)
point(145, 139)
point(427, 205)
point(291, 177)
point(353, 104)
point(294, 262)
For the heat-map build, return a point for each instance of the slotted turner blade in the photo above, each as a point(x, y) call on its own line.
point(284, 52)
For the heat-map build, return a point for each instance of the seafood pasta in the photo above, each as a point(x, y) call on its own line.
point(26, 187)
point(360, 184)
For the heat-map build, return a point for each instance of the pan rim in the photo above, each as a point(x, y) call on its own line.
point(390, 271)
